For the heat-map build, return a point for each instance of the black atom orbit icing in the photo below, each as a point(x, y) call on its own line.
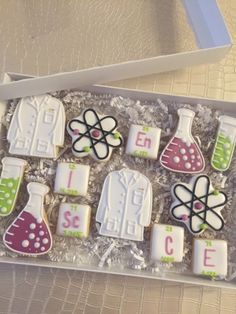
point(203, 200)
point(93, 141)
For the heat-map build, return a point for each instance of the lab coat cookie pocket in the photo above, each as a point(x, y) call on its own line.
point(37, 127)
point(125, 205)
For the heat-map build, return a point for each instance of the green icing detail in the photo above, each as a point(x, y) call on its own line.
point(117, 135)
point(8, 194)
point(203, 226)
point(86, 149)
point(216, 192)
point(140, 153)
point(209, 273)
point(69, 191)
point(223, 152)
point(76, 234)
point(167, 259)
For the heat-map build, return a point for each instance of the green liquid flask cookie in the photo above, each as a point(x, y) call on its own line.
point(225, 144)
point(10, 180)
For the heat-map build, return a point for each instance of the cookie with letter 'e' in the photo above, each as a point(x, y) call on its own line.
point(210, 257)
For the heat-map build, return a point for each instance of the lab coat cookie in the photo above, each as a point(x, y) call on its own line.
point(93, 134)
point(198, 205)
point(125, 205)
point(37, 127)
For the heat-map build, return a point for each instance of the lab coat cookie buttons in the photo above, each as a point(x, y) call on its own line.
point(71, 179)
point(73, 220)
point(125, 205)
point(143, 141)
point(37, 127)
point(198, 205)
point(29, 233)
point(94, 135)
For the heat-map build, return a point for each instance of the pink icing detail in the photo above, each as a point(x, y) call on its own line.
point(184, 217)
point(174, 148)
point(76, 132)
point(69, 179)
point(95, 133)
point(198, 205)
point(169, 251)
point(17, 233)
point(206, 257)
point(142, 140)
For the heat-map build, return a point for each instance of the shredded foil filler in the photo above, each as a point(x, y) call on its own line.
point(118, 254)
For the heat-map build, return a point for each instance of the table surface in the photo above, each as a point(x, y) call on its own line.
point(25, 47)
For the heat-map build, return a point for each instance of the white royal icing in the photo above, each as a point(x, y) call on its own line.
point(143, 141)
point(125, 205)
point(71, 179)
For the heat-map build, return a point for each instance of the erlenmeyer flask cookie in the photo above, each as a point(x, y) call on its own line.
point(29, 234)
point(182, 154)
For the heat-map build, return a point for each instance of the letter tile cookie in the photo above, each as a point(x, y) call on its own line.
point(198, 205)
point(93, 134)
point(29, 234)
point(71, 179)
point(37, 127)
point(210, 257)
point(143, 141)
point(167, 243)
point(73, 220)
point(11, 177)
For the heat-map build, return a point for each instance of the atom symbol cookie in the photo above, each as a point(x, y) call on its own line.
point(198, 205)
point(93, 134)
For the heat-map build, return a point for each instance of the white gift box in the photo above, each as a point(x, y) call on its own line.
point(213, 41)
point(229, 107)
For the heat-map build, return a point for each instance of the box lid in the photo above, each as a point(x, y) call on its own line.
point(113, 40)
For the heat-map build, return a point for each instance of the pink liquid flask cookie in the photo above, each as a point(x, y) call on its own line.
point(29, 233)
point(182, 153)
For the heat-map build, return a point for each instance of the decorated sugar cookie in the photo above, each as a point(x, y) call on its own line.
point(37, 127)
point(198, 205)
point(167, 243)
point(73, 220)
point(210, 257)
point(93, 134)
point(71, 179)
point(225, 143)
point(125, 205)
point(29, 234)
point(182, 153)
point(143, 141)
point(11, 177)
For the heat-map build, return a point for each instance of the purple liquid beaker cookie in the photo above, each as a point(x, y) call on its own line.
point(182, 153)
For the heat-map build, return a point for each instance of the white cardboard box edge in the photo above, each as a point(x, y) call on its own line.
point(212, 36)
point(190, 279)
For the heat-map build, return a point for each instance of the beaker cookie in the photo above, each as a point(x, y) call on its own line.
point(29, 234)
point(182, 153)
